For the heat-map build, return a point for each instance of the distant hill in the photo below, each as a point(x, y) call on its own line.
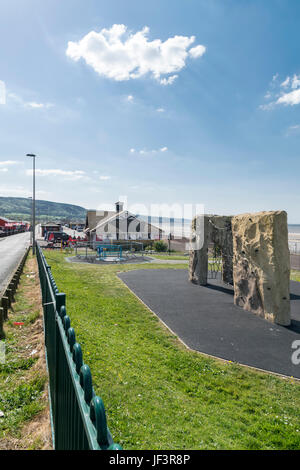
point(19, 208)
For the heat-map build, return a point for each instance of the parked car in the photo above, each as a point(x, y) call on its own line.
point(56, 237)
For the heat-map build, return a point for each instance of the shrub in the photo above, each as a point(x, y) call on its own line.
point(160, 246)
point(149, 248)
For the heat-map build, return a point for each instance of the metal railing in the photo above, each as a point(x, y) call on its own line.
point(77, 414)
point(294, 246)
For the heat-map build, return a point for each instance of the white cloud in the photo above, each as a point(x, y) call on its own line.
point(66, 174)
point(130, 98)
point(2, 92)
point(287, 93)
point(286, 82)
point(291, 98)
point(120, 55)
point(293, 130)
point(295, 81)
point(3, 170)
point(147, 152)
point(28, 104)
point(169, 80)
point(160, 110)
point(104, 178)
point(8, 162)
point(268, 106)
point(33, 104)
point(197, 51)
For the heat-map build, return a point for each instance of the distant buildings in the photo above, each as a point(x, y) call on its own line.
point(8, 226)
point(4, 221)
point(50, 227)
point(76, 225)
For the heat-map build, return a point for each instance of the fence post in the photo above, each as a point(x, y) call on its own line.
point(60, 300)
point(9, 294)
point(5, 302)
point(1, 322)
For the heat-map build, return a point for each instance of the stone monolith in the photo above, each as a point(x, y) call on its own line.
point(261, 265)
point(210, 229)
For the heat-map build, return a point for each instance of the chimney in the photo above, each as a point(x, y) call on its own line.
point(119, 206)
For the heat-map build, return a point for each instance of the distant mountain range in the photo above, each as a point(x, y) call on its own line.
point(19, 208)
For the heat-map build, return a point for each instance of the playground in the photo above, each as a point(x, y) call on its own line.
point(107, 253)
point(206, 320)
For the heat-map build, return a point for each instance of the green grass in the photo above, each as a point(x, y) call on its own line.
point(21, 384)
point(19, 401)
point(295, 275)
point(170, 257)
point(157, 394)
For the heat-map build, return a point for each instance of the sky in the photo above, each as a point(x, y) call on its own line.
point(164, 102)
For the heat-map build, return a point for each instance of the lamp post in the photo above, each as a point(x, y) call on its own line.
point(30, 198)
point(32, 155)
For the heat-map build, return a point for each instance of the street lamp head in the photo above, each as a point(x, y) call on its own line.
point(30, 155)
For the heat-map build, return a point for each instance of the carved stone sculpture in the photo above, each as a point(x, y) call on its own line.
point(261, 265)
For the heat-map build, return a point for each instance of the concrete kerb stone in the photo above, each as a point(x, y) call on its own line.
point(8, 297)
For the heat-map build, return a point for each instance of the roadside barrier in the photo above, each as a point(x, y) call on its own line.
point(10, 232)
point(77, 415)
point(8, 297)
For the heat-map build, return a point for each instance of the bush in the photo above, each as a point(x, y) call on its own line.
point(149, 248)
point(160, 246)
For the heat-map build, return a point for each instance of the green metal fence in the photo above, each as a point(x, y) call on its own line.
point(78, 415)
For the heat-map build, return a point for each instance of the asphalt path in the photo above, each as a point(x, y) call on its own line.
point(11, 251)
point(206, 319)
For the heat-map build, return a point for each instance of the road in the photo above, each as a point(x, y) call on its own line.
point(11, 251)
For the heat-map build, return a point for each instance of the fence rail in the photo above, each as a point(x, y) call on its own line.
point(78, 415)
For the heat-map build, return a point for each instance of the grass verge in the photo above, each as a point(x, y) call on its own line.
point(171, 257)
point(24, 417)
point(295, 276)
point(158, 394)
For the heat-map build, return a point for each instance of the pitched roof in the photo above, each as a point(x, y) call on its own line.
point(93, 216)
point(51, 224)
point(118, 215)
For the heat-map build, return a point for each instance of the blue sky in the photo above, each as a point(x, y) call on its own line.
point(206, 111)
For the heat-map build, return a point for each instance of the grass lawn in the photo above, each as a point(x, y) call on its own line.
point(159, 395)
point(170, 257)
point(295, 275)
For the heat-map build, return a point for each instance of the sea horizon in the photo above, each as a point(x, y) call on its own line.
point(180, 227)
